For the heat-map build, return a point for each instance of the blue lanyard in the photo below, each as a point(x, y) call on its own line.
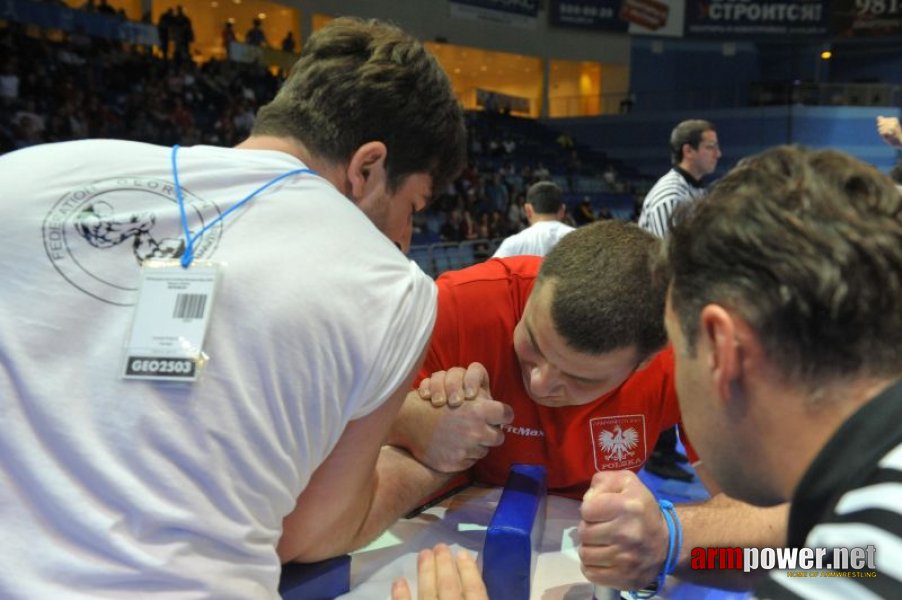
point(188, 255)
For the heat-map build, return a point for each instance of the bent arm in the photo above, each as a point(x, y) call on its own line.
point(358, 491)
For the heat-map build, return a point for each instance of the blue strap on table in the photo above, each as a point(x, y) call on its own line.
point(515, 534)
point(322, 580)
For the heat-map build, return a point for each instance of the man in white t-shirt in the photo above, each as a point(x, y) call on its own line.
point(544, 210)
point(179, 428)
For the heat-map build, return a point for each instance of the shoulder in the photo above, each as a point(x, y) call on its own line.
point(497, 273)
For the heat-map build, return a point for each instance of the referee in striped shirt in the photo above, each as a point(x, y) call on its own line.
point(694, 152)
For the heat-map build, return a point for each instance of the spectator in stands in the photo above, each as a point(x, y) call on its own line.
point(450, 230)
point(496, 194)
point(182, 33)
point(571, 347)
point(785, 314)
point(9, 82)
point(694, 152)
point(544, 210)
point(890, 130)
point(104, 8)
point(584, 214)
point(516, 214)
point(255, 35)
point(288, 42)
point(200, 488)
point(541, 172)
point(228, 35)
point(164, 30)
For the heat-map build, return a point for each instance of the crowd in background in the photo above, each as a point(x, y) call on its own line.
point(57, 87)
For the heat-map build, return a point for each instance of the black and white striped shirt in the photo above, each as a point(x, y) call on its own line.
point(851, 496)
point(675, 187)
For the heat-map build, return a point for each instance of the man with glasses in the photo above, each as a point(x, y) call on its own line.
point(694, 152)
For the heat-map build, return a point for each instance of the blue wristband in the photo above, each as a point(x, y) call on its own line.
point(674, 543)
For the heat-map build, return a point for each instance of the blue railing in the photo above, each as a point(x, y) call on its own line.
point(435, 259)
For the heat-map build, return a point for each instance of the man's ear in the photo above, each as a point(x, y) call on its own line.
point(366, 170)
point(718, 340)
point(530, 211)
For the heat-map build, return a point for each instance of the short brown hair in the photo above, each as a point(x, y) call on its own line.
point(546, 197)
point(687, 132)
point(359, 81)
point(806, 246)
point(604, 295)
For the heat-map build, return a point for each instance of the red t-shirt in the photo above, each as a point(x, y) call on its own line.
point(478, 308)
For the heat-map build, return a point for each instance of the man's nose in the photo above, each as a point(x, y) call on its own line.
point(543, 380)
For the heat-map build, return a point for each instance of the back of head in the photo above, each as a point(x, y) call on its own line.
point(806, 246)
point(545, 197)
point(687, 132)
point(604, 295)
point(359, 81)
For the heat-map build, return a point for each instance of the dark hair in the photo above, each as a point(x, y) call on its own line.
point(604, 296)
point(359, 81)
point(806, 246)
point(545, 197)
point(688, 132)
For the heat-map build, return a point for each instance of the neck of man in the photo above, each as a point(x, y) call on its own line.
point(539, 217)
point(334, 173)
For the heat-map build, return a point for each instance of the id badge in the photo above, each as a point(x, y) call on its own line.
point(171, 319)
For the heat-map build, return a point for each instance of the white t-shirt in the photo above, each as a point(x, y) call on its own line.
point(111, 488)
point(536, 240)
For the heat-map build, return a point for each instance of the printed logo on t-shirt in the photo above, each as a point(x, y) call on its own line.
point(618, 442)
point(96, 235)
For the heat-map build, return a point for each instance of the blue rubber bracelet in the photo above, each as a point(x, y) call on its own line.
point(674, 543)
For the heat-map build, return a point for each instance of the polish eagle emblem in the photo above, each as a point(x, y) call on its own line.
point(618, 444)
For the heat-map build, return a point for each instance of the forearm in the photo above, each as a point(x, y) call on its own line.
point(408, 424)
point(401, 484)
point(724, 522)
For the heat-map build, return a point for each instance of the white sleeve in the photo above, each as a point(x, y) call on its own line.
point(405, 335)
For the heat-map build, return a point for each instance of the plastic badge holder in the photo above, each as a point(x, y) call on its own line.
point(515, 533)
point(323, 580)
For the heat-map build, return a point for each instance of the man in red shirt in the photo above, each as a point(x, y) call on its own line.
point(594, 404)
point(573, 354)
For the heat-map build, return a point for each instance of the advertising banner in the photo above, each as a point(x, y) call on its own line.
point(757, 19)
point(518, 13)
point(642, 17)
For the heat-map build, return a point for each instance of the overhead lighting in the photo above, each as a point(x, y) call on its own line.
point(826, 55)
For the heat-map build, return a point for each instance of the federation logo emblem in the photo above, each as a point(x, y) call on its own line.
point(99, 235)
point(618, 442)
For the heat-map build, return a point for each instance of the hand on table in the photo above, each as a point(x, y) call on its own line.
point(623, 536)
point(441, 577)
